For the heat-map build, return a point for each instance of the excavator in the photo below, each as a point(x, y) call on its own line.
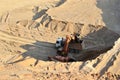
point(71, 44)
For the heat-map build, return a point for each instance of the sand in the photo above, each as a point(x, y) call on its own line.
point(29, 29)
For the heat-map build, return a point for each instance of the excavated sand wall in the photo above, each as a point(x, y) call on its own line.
point(110, 60)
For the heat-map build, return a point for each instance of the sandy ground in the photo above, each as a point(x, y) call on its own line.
point(28, 31)
point(6, 5)
point(73, 11)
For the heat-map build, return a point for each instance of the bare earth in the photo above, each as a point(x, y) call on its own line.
point(28, 31)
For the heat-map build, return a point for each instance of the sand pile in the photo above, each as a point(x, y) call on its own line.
point(111, 59)
point(28, 32)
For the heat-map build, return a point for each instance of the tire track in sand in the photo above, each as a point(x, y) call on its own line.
point(7, 37)
point(4, 36)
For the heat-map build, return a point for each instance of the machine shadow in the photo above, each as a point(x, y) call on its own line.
point(96, 43)
point(38, 50)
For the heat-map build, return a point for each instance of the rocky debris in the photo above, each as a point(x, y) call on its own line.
point(106, 76)
point(63, 76)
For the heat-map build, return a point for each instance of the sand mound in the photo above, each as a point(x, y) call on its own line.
point(111, 58)
point(72, 20)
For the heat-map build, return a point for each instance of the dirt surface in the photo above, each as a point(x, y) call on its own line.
point(29, 29)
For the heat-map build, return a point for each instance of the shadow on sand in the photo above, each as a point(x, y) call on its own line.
point(96, 43)
point(110, 13)
point(38, 50)
point(60, 3)
point(39, 14)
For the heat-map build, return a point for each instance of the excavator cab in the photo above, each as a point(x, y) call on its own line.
point(71, 46)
